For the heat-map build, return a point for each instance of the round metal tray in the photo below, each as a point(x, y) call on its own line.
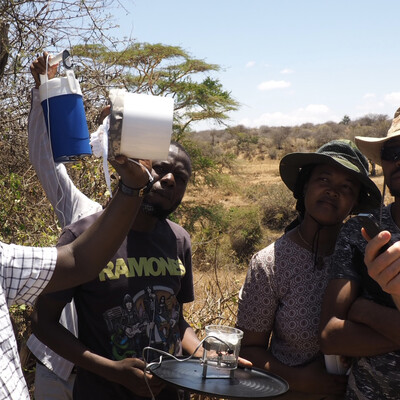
point(245, 383)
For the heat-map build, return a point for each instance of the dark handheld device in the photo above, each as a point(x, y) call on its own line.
point(372, 227)
point(371, 289)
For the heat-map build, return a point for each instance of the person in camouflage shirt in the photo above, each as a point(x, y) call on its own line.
point(359, 315)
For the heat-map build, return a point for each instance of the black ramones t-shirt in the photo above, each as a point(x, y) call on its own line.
point(135, 301)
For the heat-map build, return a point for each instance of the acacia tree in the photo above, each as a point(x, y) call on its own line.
point(160, 70)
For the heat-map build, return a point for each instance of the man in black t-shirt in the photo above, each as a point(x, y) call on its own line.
point(135, 302)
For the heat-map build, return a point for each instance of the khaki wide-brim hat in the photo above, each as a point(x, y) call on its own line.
point(371, 146)
point(338, 153)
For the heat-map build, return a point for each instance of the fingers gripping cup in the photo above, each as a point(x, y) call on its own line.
point(221, 347)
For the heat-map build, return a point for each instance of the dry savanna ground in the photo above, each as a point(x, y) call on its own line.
point(217, 285)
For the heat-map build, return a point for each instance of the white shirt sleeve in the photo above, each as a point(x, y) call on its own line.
point(69, 203)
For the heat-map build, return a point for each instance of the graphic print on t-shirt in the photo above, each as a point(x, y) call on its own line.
point(150, 318)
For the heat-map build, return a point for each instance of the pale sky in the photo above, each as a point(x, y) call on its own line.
point(286, 61)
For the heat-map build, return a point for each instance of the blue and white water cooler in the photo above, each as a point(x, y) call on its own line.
point(62, 103)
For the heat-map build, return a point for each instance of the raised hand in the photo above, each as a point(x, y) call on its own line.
point(133, 175)
point(38, 67)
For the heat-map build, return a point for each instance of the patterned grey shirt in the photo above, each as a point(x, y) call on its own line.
point(282, 294)
point(376, 377)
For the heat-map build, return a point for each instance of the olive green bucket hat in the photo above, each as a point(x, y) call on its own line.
point(338, 153)
point(371, 147)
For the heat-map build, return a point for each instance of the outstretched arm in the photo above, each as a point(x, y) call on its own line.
point(68, 202)
point(82, 260)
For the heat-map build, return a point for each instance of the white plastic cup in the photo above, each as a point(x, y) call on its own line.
point(146, 127)
point(334, 365)
point(222, 346)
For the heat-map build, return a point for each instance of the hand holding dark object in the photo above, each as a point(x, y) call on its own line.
point(384, 267)
point(130, 373)
point(372, 228)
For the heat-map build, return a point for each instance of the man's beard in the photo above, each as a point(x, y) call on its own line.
point(156, 210)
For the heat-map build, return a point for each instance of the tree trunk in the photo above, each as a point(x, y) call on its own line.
point(3, 47)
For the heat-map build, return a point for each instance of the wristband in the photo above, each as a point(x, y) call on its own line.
point(140, 192)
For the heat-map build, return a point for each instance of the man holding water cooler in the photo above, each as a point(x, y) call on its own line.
point(359, 315)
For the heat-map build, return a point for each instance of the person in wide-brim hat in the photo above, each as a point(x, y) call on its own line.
point(338, 153)
point(288, 277)
point(371, 147)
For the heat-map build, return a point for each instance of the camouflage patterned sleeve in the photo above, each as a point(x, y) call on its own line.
point(350, 243)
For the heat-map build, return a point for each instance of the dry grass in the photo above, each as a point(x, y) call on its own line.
point(246, 173)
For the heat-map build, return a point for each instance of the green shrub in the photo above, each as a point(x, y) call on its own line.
point(225, 182)
point(207, 227)
point(277, 206)
point(244, 231)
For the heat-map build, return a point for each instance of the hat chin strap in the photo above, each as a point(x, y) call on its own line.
point(315, 241)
